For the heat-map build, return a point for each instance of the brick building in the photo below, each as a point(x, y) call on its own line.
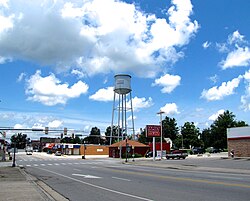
point(238, 139)
point(135, 148)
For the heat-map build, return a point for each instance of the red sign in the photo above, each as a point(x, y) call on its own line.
point(153, 131)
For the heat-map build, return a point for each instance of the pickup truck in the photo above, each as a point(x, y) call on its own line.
point(178, 154)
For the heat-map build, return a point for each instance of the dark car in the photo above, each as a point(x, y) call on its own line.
point(149, 154)
point(213, 150)
point(198, 150)
point(49, 152)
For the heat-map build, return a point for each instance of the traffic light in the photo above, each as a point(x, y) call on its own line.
point(46, 130)
point(65, 131)
point(73, 135)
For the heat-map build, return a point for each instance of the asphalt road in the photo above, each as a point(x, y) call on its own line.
point(107, 180)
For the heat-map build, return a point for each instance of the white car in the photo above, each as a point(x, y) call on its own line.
point(58, 153)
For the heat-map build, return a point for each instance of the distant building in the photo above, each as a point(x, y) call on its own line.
point(134, 148)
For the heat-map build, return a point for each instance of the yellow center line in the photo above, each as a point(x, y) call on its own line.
point(182, 178)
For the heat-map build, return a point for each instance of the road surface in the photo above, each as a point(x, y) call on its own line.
point(109, 179)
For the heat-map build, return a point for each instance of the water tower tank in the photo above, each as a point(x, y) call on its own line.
point(122, 84)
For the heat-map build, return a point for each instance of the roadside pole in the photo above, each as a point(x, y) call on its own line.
point(14, 158)
point(154, 148)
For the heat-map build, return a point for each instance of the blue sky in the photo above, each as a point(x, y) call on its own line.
point(58, 59)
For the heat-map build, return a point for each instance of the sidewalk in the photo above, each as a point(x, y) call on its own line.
point(18, 185)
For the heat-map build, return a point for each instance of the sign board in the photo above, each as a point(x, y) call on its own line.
point(153, 131)
point(158, 154)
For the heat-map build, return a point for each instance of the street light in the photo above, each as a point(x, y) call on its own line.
point(160, 113)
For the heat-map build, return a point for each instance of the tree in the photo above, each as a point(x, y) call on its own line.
point(207, 137)
point(219, 129)
point(142, 137)
point(94, 137)
point(169, 128)
point(190, 134)
point(19, 139)
point(71, 140)
point(115, 133)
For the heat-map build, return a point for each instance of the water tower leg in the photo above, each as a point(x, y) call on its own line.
point(112, 122)
point(132, 113)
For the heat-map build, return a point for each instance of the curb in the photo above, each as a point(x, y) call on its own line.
point(45, 191)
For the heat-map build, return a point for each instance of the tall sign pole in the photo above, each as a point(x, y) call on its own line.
point(160, 113)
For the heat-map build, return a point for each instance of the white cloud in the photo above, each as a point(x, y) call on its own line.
point(213, 117)
point(238, 57)
point(236, 37)
point(139, 103)
point(55, 124)
point(20, 126)
point(78, 73)
point(6, 23)
point(95, 36)
point(49, 90)
point(214, 78)
point(21, 77)
point(106, 94)
point(168, 82)
point(238, 53)
point(218, 93)
point(130, 118)
point(170, 109)
point(206, 44)
point(245, 99)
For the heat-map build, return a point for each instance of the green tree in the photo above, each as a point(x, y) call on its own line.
point(190, 134)
point(169, 128)
point(142, 137)
point(94, 137)
point(115, 133)
point(20, 140)
point(219, 128)
point(207, 137)
point(67, 140)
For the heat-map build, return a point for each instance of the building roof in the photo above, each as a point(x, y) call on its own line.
point(130, 143)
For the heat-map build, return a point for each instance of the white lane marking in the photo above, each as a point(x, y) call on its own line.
point(28, 165)
point(42, 164)
point(87, 176)
point(96, 186)
point(56, 164)
point(49, 164)
point(76, 169)
point(35, 165)
point(121, 179)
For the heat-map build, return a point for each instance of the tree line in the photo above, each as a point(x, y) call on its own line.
point(185, 136)
point(189, 135)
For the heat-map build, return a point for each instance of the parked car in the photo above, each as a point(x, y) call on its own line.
point(49, 152)
point(28, 152)
point(149, 154)
point(198, 150)
point(58, 153)
point(213, 150)
point(177, 154)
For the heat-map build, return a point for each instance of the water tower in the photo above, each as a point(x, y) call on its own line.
point(122, 105)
